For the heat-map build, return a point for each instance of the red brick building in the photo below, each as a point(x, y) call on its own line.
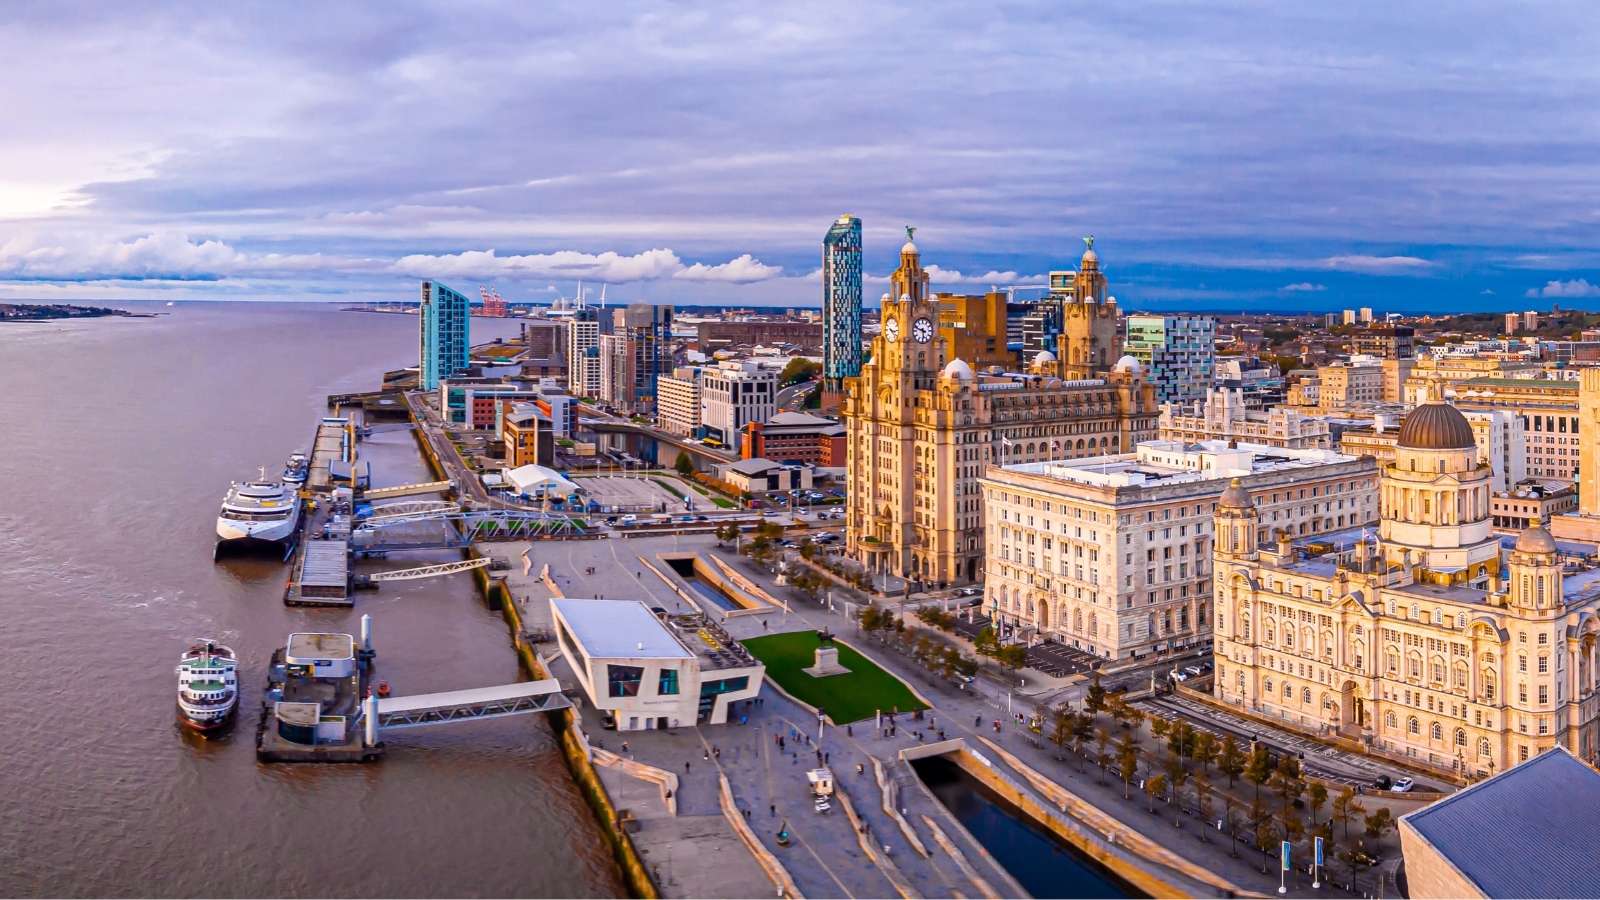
point(796, 437)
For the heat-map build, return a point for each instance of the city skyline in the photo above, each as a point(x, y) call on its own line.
point(1311, 159)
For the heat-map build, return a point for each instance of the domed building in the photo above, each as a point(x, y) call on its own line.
point(1433, 642)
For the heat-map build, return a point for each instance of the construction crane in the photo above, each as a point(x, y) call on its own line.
point(493, 304)
point(1011, 290)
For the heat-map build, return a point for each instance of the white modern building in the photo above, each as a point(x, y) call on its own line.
point(583, 354)
point(678, 401)
point(649, 671)
point(734, 394)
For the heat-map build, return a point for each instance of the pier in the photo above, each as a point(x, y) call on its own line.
point(475, 703)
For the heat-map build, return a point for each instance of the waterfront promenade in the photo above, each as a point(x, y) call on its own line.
point(829, 856)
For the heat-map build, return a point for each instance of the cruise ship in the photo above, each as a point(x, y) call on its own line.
point(295, 470)
point(258, 514)
point(208, 686)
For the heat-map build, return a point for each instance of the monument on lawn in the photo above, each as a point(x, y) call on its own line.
point(827, 659)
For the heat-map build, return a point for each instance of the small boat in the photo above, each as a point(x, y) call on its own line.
point(296, 469)
point(208, 686)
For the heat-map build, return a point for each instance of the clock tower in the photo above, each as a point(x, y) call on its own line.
point(909, 342)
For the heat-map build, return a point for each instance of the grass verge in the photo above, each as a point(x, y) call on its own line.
point(845, 698)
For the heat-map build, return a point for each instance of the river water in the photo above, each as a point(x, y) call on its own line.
point(118, 438)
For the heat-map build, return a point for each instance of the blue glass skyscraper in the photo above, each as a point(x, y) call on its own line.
point(841, 302)
point(443, 339)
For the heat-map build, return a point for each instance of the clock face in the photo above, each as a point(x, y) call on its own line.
point(922, 331)
point(891, 329)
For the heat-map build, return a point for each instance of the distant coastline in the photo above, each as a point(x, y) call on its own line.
point(42, 312)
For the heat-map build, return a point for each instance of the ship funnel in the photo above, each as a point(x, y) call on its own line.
point(366, 632)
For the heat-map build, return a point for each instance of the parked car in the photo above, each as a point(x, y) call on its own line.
point(1192, 671)
point(1402, 785)
point(1176, 675)
point(1382, 782)
point(971, 592)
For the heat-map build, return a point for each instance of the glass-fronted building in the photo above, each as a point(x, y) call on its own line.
point(841, 302)
point(443, 338)
point(1178, 353)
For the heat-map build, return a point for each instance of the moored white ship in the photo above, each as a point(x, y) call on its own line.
point(259, 513)
point(208, 686)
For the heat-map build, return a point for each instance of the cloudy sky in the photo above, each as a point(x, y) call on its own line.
point(1226, 155)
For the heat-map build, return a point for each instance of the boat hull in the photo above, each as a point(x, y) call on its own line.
point(207, 725)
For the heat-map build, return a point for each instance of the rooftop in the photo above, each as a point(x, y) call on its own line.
point(1526, 832)
point(315, 645)
point(1157, 463)
point(619, 629)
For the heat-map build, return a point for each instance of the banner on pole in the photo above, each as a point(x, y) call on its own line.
point(1286, 856)
point(1319, 850)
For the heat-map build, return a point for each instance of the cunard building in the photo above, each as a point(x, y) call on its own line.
point(1433, 641)
point(922, 424)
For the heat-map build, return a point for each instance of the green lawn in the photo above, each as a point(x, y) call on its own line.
point(845, 698)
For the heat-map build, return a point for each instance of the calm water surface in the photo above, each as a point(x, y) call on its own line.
point(118, 438)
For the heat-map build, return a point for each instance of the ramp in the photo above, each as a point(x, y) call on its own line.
point(475, 703)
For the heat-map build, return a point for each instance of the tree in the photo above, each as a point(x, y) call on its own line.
point(1153, 786)
point(799, 369)
point(986, 643)
point(1202, 803)
point(1176, 776)
point(1205, 750)
point(1265, 831)
point(1127, 761)
point(1095, 699)
point(684, 465)
point(1287, 782)
point(1341, 807)
point(1229, 760)
point(1379, 822)
point(726, 533)
point(1259, 769)
point(1061, 725)
point(1012, 656)
point(1159, 727)
point(1319, 797)
point(1082, 725)
point(1180, 738)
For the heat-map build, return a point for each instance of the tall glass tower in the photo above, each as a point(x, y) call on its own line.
point(841, 302)
point(443, 324)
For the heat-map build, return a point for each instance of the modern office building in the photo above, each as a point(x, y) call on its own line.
point(973, 327)
point(921, 424)
point(1429, 644)
point(528, 438)
point(1178, 353)
point(1112, 554)
point(733, 395)
point(1386, 342)
point(796, 437)
point(632, 356)
point(1549, 414)
point(443, 334)
point(841, 303)
point(583, 353)
point(678, 402)
point(652, 672)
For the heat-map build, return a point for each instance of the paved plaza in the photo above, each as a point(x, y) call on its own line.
point(635, 493)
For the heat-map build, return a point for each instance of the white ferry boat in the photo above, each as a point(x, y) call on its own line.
point(258, 513)
point(295, 470)
point(208, 686)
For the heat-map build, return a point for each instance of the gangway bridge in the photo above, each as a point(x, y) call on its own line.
point(474, 703)
point(407, 490)
point(458, 528)
point(448, 568)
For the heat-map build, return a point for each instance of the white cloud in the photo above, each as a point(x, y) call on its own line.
point(153, 256)
point(1577, 287)
point(1376, 265)
point(1303, 287)
point(743, 269)
point(938, 275)
point(610, 266)
point(1487, 292)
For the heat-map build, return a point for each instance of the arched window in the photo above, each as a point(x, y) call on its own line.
point(1460, 674)
point(1288, 638)
point(1488, 684)
point(1305, 696)
point(1267, 685)
point(1241, 682)
point(1461, 738)
point(1391, 660)
point(1436, 732)
point(1483, 747)
point(1413, 726)
point(1414, 665)
point(1436, 670)
point(1388, 719)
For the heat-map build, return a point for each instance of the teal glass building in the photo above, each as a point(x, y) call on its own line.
point(443, 334)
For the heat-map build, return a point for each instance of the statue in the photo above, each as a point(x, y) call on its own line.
point(911, 233)
point(1088, 242)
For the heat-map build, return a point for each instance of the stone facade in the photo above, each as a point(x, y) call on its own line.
point(922, 424)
